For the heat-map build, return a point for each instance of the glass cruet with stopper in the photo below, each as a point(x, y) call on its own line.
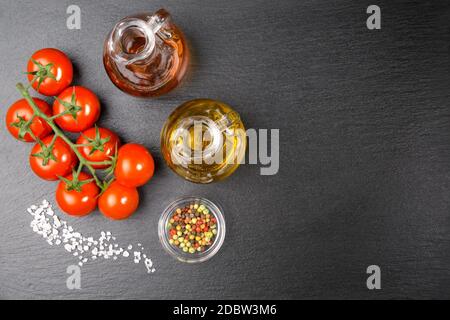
point(203, 140)
point(146, 54)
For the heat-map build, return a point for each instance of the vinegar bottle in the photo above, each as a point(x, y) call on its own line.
point(146, 54)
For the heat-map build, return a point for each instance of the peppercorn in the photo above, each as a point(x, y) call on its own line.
point(192, 228)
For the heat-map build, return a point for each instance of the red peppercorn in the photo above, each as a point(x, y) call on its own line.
point(183, 217)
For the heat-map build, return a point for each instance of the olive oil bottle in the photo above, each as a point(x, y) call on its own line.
point(203, 140)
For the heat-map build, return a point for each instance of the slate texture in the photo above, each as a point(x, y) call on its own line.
point(364, 174)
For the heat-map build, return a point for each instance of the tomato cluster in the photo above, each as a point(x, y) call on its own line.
point(54, 156)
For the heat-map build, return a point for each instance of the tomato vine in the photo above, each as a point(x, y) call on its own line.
point(46, 153)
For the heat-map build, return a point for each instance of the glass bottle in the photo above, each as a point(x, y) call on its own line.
point(146, 54)
point(203, 140)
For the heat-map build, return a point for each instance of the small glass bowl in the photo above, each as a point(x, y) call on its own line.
point(176, 252)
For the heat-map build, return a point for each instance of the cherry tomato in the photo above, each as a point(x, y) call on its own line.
point(20, 113)
point(104, 143)
point(77, 197)
point(51, 70)
point(135, 165)
point(118, 202)
point(64, 159)
point(82, 107)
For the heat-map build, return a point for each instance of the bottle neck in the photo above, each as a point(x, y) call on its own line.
point(133, 40)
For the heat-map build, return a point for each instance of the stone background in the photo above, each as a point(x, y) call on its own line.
point(364, 150)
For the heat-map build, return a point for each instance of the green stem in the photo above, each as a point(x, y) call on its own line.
point(100, 163)
point(53, 140)
point(80, 166)
point(97, 180)
point(58, 115)
point(35, 138)
point(58, 132)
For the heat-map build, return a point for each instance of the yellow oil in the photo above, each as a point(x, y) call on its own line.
point(203, 140)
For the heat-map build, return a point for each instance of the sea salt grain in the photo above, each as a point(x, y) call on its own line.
point(137, 256)
point(56, 231)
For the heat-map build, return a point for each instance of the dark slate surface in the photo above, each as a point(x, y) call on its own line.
point(365, 151)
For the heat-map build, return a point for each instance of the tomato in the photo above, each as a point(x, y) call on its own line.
point(51, 70)
point(20, 113)
point(50, 169)
point(79, 196)
point(82, 109)
point(118, 202)
point(104, 143)
point(135, 165)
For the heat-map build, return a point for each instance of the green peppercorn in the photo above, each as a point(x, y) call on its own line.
point(192, 228)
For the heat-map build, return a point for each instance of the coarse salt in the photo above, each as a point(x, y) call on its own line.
point(56, 231)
